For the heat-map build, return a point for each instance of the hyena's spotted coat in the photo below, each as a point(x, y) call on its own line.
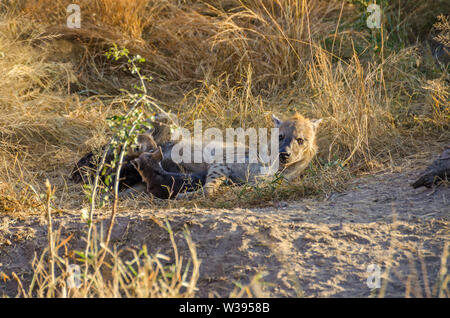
point(297, 147)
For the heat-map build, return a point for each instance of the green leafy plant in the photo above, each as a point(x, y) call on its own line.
point(125, 129)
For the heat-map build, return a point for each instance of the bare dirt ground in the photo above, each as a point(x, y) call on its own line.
point(312, 248)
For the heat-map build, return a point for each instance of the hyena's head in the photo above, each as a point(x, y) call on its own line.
point(160, 133)
point(162, 124)
point(297, 140)
point(146, 143)
point(148, 164)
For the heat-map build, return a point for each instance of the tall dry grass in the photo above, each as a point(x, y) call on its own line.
point(121, 273)
point(229, 62)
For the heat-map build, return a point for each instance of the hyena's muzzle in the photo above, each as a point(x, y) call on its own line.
point(284, 151)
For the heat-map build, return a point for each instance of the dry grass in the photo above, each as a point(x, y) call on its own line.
point(122, 273)
point(229, 62)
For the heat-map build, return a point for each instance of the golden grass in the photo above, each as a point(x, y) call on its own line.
point(122, 273)
point(229, 62)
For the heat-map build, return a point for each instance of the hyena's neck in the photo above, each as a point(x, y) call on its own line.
point(146, 173)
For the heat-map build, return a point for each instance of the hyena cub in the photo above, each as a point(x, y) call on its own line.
point(160, 134)
point(164, 184)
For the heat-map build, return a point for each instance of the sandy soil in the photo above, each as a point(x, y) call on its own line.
point(312, 248)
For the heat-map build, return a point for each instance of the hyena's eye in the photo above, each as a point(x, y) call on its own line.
point(300, 141)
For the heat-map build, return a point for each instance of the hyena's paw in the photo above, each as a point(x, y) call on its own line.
point(190, 195)
point(207, 191)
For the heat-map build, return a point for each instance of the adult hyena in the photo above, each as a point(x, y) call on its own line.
point(297, 147)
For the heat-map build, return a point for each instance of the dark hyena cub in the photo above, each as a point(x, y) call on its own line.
point(159, 135)
point(164, 184)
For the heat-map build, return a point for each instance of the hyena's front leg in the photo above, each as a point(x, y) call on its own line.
point(217, 174)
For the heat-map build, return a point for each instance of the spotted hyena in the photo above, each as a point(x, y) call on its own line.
point(297, 147)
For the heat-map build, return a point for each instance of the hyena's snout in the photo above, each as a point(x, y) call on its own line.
point(284, 153)
point(284, 156)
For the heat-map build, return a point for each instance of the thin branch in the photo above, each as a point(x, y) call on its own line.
point(50, 236)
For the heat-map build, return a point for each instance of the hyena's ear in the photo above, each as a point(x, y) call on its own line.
point(316, 122)
point(146, 143)
point(136, 164)
point(157, 154)
point(166, 118)
point(276, 121)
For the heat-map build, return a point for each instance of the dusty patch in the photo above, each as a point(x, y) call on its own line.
point(313, 248)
